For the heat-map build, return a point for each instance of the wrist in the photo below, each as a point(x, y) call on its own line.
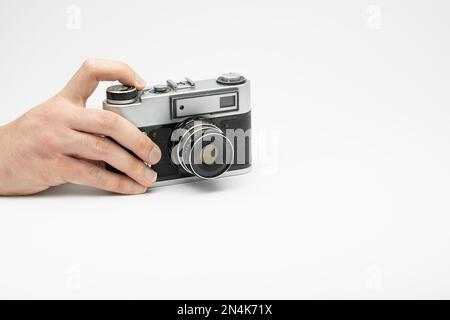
point(5, 174)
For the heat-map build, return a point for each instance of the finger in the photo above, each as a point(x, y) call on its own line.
point(88, 146)
point(118, 128)
point(87, 174)
point(95, 162)
point(92, 71)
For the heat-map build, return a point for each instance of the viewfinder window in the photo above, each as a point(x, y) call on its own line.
point(226, 102)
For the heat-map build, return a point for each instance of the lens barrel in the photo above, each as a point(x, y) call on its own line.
point(203, 149)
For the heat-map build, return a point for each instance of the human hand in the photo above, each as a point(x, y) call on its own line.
point(60, 141)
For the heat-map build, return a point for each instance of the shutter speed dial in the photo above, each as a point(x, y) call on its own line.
point(121, 94)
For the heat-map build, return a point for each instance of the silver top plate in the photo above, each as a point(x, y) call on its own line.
point(154, 108)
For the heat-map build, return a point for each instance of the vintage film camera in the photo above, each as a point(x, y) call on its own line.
point(203, 128)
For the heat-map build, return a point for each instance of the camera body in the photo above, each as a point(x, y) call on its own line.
point(203, 128)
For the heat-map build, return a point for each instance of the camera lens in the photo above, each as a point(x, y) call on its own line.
point(203, 150)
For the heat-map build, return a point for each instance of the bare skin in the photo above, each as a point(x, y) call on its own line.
point(60, 141)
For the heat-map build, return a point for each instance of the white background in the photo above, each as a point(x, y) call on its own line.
point(349, 194)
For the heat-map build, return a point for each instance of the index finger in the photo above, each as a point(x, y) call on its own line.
point(122, 131)
point(92, 71)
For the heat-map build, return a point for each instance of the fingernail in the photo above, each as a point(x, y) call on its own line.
point(139, 188)
point(139, 80)
point(155, 155)
point(150, 175)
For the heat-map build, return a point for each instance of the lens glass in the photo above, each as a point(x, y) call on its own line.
point(211, 155)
